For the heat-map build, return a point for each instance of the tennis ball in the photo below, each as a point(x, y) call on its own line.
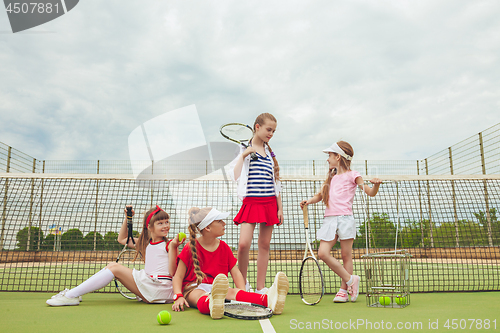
point(401, 300)
point(164, 317)
point(181, 236)
point(384, 300)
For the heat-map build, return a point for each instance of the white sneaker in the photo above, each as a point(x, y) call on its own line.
point(61, 299)
point(217, 297)
point(64, 292)
point(263, 291)
point(276, 295)
point(248, 287)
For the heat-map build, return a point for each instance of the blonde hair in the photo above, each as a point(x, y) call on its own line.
point(344, 164)
point(261, 119)
point(144, 237)
point(196, 215)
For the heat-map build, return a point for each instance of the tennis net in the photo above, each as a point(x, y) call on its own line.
point(59, 229)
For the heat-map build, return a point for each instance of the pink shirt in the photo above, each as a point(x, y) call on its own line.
point(342, 190)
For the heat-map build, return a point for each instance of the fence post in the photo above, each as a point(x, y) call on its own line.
point(429, 203)
point(41, 203)
point(453, 195)
point(486, 199)
point(96, 208)
point(9, 154)
point(30, 216)
point(422, 234)
point(4, 211)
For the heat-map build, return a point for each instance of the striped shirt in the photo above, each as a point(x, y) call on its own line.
point(260, 177)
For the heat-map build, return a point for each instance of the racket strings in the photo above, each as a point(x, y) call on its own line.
point(239, 310)
point(311, 281)
point(237, 132)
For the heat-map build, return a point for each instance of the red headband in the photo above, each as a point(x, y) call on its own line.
point(152, 214)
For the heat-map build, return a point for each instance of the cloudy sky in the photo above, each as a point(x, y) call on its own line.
point(397, 79)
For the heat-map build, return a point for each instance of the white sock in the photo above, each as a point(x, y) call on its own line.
point(95, 282)
point(351, 281)
point(343, 290)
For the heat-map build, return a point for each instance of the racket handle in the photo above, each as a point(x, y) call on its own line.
point(306, 217)
point(129, 215)
point(252, 155)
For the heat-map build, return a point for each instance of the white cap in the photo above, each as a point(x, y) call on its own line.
point(213, 215)
point(334, 148)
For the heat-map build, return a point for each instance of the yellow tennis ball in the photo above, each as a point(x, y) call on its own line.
point(384, 300)
point(164, 317)
point(400, 300)
point(181, 236)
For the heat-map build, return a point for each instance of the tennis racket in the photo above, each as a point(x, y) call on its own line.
point(126, 258)
point(311, 283)
point(247, 311)
point(238, 133)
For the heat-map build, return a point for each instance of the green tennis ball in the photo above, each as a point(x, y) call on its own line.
point(164, 317)
point(181, 236)
point(384, 300)
point(400, 300)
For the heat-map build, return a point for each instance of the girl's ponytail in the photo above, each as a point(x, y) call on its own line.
point(276, 165)
point(193, 229)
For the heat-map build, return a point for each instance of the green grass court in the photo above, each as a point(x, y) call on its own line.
point(424, 276)
point(99, 312)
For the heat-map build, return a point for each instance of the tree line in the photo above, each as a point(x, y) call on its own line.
point(413, 234)
point(71, 240)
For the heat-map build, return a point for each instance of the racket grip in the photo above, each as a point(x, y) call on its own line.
point(306, 216)
point(254, 156)
point(129, 215)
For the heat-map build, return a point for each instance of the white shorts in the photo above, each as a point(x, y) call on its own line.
point(343, 225)
point(206, 287)
point(154, 290)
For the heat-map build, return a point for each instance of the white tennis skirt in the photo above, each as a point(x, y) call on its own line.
point(342, 225)
point(154, 290)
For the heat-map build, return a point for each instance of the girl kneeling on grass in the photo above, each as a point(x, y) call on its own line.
point(153, 284)
point(202, 267)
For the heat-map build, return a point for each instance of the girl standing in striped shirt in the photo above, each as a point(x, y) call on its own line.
point(259, 188)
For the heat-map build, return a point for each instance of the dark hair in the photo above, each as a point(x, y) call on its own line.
point(144, 237)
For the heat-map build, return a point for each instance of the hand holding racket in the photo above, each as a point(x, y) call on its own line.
point(239, 133)
point(128, 255)
point(311, 283)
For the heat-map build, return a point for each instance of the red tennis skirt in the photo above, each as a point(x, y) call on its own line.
point(258, 210)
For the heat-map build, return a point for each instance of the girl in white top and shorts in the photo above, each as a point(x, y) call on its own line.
point(153, 284)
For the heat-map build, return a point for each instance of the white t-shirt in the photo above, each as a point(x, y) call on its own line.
point(157, 259)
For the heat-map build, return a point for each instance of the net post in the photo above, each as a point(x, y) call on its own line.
point(429, 203)
point(485, 185)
